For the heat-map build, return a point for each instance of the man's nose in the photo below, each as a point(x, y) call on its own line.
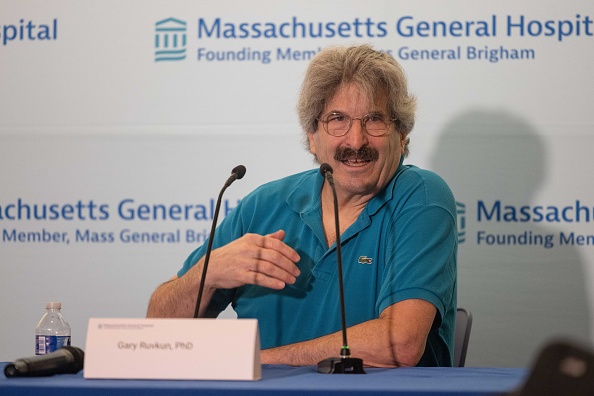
point(357, 137)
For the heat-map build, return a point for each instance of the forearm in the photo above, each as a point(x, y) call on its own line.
point(176, 298)
point(396, 339)
point(367, 341)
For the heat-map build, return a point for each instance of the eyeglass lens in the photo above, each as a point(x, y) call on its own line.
point(338, 124)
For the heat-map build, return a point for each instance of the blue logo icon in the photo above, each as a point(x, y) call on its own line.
point(461, 214)
point(170, 40)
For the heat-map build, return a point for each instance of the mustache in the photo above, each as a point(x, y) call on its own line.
point(365, 153)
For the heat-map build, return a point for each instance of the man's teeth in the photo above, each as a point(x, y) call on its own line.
point(355, 161)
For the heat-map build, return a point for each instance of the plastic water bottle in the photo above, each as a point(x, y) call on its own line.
point(52, 331)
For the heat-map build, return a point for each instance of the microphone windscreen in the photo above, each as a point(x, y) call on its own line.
point(325, 168)
point(239, 170)
point(78, 357)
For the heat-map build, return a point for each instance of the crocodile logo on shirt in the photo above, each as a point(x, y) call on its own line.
point(364, 260)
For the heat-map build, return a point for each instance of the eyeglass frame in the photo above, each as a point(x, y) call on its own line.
point(325, 123)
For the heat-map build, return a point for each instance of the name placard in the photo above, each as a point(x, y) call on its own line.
point(180, 349)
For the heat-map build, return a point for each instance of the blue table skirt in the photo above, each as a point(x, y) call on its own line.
point(304, 381)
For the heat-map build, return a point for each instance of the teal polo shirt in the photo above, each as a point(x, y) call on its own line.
point(403, 245)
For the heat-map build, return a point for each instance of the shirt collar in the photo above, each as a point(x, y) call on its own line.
point(305, 197)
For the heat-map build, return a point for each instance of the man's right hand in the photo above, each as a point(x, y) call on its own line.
point(263, 260)
point(253, 260)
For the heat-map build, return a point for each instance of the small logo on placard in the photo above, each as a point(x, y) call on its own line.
point(170, 40)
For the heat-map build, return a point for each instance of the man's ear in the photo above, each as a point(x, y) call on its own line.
point(312, 145)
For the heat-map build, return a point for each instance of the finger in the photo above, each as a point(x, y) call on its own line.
point(280, 235)
point(274, 271)
point(260, 279)
point(279, 265)
point(276, 244)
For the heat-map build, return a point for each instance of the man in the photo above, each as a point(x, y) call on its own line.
point(274, 256)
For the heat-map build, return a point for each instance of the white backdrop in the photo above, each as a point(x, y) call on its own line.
point(91, 122)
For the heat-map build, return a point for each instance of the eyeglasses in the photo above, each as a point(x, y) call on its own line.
point(338, 124)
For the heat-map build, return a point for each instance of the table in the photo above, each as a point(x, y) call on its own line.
point(285, 380)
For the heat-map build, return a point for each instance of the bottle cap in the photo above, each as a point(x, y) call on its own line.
point(53, 305)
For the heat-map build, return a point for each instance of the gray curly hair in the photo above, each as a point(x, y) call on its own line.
point(373, 72)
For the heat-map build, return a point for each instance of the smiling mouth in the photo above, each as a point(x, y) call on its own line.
point(351, 157)
point(355, 162)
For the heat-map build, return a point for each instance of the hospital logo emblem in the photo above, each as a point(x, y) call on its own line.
point(461, 220)
point(170, 40)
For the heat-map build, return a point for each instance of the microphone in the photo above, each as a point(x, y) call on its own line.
point(237, 173)
point(66, 360)
point(345, 364)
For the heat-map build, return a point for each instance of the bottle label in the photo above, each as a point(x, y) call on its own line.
point(48, 344)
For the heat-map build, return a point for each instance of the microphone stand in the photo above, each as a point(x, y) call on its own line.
point(345, 364)
point(237, 173)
